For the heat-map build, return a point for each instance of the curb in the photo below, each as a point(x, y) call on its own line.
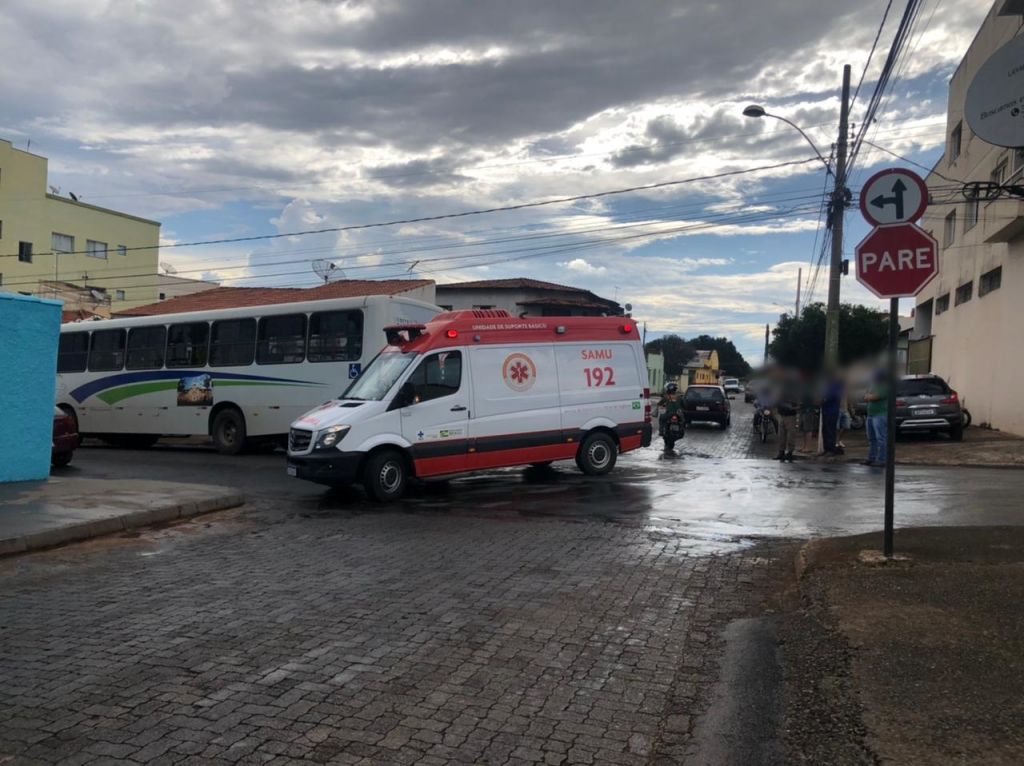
point(86, 530)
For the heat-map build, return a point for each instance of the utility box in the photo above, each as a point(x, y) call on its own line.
point(29, 335)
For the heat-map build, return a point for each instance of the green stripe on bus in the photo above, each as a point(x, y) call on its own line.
point(114, 395)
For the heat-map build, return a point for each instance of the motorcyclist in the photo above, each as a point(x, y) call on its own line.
point(671, 404)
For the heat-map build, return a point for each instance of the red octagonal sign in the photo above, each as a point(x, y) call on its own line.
point(896, 261)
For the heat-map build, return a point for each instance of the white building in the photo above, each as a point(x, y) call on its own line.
point(171, 286)
point(969, 313)
point(524, 297)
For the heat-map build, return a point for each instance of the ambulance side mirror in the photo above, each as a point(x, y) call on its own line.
point(406, 395)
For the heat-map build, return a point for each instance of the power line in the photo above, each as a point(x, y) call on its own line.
point(867, 64)
point(465, 213)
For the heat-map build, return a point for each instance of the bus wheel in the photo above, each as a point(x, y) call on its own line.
point(228, 431)
point(384, 476)
point(597, 454)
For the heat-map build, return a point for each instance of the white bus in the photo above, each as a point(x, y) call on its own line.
point(237, 375)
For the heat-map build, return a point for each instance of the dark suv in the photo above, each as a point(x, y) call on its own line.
point(927, 403)
point(706, 403)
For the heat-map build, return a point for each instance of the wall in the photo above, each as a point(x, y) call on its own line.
point(29, 330)
point(170, 286)
point(977, 346)
point(656, 372)
point(30, 214)
point(511, 300)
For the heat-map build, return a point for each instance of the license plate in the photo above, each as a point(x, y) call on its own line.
point(929, 411)
point(703, 409)
point(292, 471)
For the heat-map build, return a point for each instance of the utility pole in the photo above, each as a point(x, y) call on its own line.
point(799, 279)
point(766, 345)
point(838, 208)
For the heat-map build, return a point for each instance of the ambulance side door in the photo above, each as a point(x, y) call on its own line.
point(516, 416)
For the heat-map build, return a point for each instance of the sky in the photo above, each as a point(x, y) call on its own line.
point(240, 118)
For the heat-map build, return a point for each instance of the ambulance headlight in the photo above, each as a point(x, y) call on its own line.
point(331, 436)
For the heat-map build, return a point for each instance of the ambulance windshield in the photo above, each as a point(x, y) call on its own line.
point(379, 376)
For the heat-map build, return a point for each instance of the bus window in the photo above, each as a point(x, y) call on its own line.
point(106, 351)
point(232, 342)
point(336, 336)
point(187, 344)
point(73, 352)
point(146, 348)
point(281, 339)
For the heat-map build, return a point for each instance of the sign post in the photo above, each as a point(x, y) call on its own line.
point(896, 260)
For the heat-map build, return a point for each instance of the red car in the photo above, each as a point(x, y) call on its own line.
point(65, 437)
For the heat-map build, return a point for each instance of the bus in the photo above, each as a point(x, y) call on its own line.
point(238, 375)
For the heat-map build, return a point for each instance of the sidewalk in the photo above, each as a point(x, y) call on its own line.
point(935, 643)
point(981, 447)
point(43, 514)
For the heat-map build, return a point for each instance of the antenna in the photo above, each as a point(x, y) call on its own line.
point(168, 268)
point(328, 271)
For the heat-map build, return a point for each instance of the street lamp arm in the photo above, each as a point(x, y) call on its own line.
point(806, 137)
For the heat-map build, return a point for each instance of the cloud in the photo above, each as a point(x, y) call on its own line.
point(582, 266)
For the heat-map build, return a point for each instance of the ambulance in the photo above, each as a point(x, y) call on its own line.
point(473, 390)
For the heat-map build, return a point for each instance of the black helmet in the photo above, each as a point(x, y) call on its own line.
point(672, 388)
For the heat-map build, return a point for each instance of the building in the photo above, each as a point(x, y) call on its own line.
point(28, 373)
point(524, 297)
point(702, 369)
point(235, 297)
point(967, 328)
point(45, 236)
point(655, 371)
point(172, 286)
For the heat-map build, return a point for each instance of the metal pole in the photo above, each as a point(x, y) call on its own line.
point(799, 279)
point(838, 209)
point(766, 345)
point(890, 421)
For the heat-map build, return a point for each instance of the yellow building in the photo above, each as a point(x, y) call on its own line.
point(46, 237)
point(703, 369)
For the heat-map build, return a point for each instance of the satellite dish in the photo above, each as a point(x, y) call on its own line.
point(72, 195)
point(168, 268)
point(328, 271)
point(55, 190)
point(628, 307)
point(992, 107)
point(97, 295)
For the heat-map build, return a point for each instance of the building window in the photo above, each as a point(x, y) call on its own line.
point(955, 139)
point(163, 296)
point(964, 293)
point(942, 304)
point(998, 176)
point(1, 229)
point(62, 243)
point(122, 250)
point(1018, 160)
point(118, 295)
point(95, 249)
point(949, 233)
point(990, 280)
point(25, 252)
point(971, 214)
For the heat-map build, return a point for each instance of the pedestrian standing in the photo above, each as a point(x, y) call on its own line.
point(845, 418)
point(808, 419)
point(787, 408)
point(831, 403)
point(876, 423)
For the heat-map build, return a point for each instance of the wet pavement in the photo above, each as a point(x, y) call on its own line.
point(516, 616)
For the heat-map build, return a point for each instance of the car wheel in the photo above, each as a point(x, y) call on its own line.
point(228, 432)
point(597, 454)
point(385, 476)
point(727, 422)
point(61, 459)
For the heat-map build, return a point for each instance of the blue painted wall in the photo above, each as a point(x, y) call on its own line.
point(29, 333)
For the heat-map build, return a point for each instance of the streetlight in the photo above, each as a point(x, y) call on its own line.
point(840, 197)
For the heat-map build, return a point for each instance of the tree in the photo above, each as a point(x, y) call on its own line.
point(730, 360)
point(677, 353)
point(800, 342)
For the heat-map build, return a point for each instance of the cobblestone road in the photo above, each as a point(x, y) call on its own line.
point(380, 638)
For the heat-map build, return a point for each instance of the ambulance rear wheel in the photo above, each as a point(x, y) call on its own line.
point(385, 476)
point(597, 454)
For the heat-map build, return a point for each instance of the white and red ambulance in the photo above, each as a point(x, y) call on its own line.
point(472, 390)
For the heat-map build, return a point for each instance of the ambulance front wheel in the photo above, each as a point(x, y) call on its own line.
point(597, 454)
point(385, 476)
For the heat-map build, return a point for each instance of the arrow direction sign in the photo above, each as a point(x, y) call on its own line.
point(893, 196)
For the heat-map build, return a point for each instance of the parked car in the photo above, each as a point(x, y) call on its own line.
point(707, 403)
point(927, 403)
point(732, 386)
point(751, 390)
point(65, 438)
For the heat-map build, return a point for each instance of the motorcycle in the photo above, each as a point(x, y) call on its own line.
point(765, 423)
point(672, 432)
